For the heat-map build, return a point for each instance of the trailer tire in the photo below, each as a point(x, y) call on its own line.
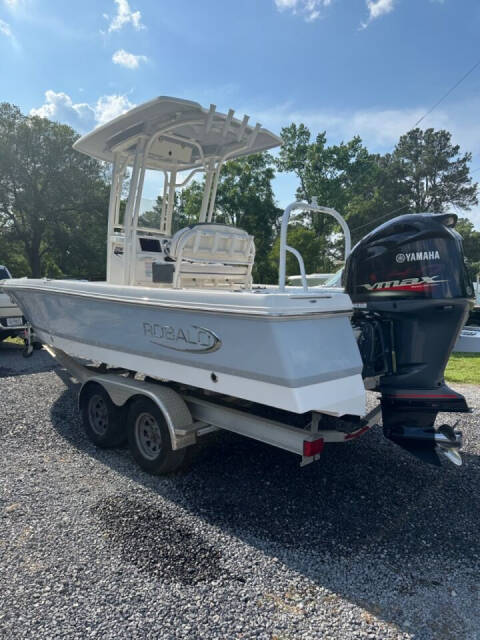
point(149, 439)
point(103, 421)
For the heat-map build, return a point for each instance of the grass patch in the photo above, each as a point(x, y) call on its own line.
point(463, 367)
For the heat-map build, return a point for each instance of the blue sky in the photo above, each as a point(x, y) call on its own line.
point(371, 67)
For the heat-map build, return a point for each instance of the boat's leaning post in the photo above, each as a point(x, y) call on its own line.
point(284, 247)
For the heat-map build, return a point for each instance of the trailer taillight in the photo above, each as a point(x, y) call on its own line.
point(313, 448)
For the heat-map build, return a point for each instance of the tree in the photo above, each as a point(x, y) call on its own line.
point(471, 244)
point(311, 247)
point(151, 218)
point(187, 203)
point(245, 199)
point(432, 171)
point(11, 255)
point(345, 177)
point(53, 200)
point(425, 172)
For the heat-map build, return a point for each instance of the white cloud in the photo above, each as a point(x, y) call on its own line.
point(128, 60)
point(61, 108)
point(379, 128)
point(109, 107)
point(124, 16)
point(312, 9)
point(5, 29)
point(12, 4)
point(309, 9)
point(81, 115)
point(376, 9)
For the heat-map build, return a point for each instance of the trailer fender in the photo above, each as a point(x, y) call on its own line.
point(174, 409)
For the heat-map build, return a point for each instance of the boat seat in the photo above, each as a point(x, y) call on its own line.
point(211, 255)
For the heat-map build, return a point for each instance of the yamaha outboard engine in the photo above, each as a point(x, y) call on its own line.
point(412, 295)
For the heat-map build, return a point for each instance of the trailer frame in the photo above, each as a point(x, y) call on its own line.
point(189, 417)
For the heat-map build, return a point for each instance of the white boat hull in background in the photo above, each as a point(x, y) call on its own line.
point(468, 341)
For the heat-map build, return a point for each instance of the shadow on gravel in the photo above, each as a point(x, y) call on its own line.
point(364, 497)
point(12, 363)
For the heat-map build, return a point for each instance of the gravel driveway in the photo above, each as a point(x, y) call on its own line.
point(367, 543)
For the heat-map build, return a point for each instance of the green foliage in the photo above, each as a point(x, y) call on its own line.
point(344, 176)
point(432, 173)
point(189, 204)
point(11, 255)
point(311, 247)
point(425, 172)
point(471, 244)
point(53, 200)
point(186, 209)
point(245, 199)
point(151, 218)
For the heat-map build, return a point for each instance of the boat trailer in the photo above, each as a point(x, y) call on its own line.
point(110, 393)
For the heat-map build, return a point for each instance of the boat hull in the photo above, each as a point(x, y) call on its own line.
point(298, 362)
point(468, 341)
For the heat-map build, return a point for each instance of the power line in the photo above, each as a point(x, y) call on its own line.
point(465, 75)
point(405, 205)
point(447, 93)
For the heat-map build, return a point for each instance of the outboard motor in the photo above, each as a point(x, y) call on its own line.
point(412, 294)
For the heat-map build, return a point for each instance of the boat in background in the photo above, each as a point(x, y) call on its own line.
point(313, 279)
point(469, 338)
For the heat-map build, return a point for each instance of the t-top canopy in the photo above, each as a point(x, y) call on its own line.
point(179, 135)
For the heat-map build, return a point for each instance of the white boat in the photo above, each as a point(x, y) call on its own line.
point(313, 279)
point(468, 341)
point(195, 320)
point(180, 307)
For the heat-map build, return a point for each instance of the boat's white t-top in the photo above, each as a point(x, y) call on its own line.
point(171, 135)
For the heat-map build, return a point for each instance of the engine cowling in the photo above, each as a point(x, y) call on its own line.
point(409, 276)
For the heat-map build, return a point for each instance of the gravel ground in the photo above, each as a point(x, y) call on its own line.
point(367, 543)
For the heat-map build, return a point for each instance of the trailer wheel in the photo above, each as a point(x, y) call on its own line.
point(102, 420)
point(149, 439)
